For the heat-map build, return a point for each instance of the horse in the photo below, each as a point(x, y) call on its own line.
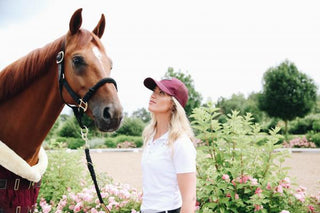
point(33, 91)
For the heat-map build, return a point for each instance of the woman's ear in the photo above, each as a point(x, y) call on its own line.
point(173, 107)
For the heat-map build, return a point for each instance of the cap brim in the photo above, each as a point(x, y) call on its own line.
point(150, 83)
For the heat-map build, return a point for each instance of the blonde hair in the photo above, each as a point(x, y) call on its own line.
point(179, 125)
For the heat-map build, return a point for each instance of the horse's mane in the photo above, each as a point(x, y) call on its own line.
point(18, 75)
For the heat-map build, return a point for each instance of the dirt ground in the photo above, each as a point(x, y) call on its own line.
point(124, 167)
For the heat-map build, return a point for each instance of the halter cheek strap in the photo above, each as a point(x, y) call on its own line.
point(82, 103)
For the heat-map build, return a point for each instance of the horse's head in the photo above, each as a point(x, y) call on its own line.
point(85, 64)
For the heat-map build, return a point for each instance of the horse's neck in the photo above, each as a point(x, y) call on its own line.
point(30, 115)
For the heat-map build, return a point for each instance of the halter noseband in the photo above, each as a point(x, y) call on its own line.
point(82, 103)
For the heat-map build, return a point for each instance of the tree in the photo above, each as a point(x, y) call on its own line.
point(131, 126)
point(236, 102)
point(143, 114)
point(287, 93)
point(71, 128)
point(195, 97)
point(243, 105)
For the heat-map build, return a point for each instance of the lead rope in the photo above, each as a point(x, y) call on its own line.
point(84, 135)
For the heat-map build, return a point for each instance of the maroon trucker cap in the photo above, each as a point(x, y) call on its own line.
point(171, 86)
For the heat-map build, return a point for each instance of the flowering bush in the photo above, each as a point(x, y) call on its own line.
point(67, 187)
point(117, 197)
point(299, 143)
point(239, 173)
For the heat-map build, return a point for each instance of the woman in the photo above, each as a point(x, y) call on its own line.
point(169, 157)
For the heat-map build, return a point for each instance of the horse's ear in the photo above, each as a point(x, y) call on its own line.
point(99, 29)
point(75, 21)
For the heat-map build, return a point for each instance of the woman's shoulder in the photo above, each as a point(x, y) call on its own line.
point(184, 147)
point(183, 140)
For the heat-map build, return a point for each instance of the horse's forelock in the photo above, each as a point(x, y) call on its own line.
point(82, 38)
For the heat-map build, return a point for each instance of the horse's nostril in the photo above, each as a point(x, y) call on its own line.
point(106, 113)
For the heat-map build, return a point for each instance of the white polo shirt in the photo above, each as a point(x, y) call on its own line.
point(160, 168)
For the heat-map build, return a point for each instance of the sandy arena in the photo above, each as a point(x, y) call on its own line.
point(124, 167)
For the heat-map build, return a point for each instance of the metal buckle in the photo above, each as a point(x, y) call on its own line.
point(16, 184)
point(18, 208)
point(83, 105)
point(60, 57)
point(31, 184)
point(3, 183)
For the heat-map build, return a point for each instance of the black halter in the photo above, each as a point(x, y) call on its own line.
point(79, 109)
point(82, 103)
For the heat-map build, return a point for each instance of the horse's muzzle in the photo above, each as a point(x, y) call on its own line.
point(108, 118)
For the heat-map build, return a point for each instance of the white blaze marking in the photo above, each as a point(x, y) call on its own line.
point(98, 54)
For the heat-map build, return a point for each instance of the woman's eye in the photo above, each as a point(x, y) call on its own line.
point(162, 93)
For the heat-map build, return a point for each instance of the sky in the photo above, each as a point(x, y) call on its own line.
point(226, 46)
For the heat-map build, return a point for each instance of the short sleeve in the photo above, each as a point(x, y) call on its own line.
point(184, 155)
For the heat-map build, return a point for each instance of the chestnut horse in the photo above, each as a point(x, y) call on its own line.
point(32, 97)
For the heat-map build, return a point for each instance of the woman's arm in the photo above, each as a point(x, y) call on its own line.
point(187, 185)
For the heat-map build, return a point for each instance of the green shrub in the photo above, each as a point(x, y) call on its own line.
point(61, 139)
point(234, 174)
point(316, 126)
point(97, 143)
point(137, 140)
point(300, 126)
point(131, 126)
point(75, 143)
point(303, 125)
point(314, 137)
point(70, 129)
point(268, 124)
point(112, 142)
point(63, 173)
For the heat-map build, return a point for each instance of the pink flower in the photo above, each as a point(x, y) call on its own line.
point(254, 181)
point(236, 196)
point(78, 207)
point(279, 189)
point(284, 211)
point(302, 189)
point(257, 207)
point(300, 196)
point(93, 210)
point(269, 186)
point(311, 208)
point(285, 183)
point(45, 207)
point(258, 191)
point(226, 177)
point(245, 178)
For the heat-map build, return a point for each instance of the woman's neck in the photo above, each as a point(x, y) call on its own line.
point(162, 126)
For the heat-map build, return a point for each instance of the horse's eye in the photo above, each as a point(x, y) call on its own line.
point(78, 61)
